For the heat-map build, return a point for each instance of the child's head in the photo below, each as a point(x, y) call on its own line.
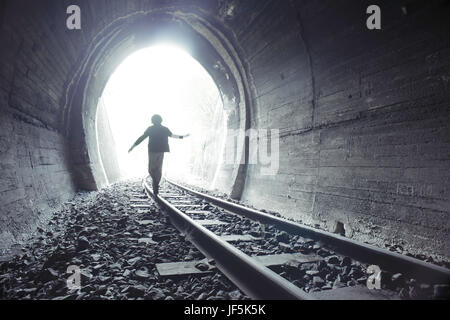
point(157, 119)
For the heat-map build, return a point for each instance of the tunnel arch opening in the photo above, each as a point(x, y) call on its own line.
point(161, 79)
point(203, 38)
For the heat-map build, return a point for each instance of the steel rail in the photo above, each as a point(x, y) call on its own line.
point(254, 279)
point(385, 259)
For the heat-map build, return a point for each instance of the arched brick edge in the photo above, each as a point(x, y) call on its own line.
point(203, 37)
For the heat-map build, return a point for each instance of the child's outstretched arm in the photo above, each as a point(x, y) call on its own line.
point(179, 137)
point(138, 141)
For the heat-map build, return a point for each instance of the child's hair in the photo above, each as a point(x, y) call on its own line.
point(157, 119)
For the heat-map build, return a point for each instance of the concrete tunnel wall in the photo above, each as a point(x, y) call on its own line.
point(363, 115)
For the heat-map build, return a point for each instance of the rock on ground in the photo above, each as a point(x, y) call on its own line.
point(99, 236)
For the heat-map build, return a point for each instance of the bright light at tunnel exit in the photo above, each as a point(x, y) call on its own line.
point(165, 80)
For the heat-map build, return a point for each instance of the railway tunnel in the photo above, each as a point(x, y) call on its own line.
point(359, 115)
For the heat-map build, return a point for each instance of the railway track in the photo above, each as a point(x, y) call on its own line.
point(271, 258)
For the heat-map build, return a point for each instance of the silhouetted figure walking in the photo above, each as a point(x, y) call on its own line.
point(158, 144)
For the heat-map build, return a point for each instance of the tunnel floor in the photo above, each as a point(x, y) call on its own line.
point(115, 237)
point(116, 248)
